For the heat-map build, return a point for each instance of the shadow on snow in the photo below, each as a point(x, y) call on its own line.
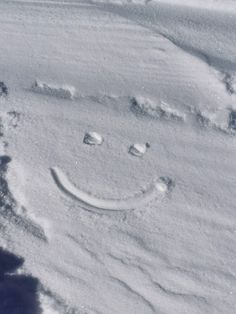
point(18, 293)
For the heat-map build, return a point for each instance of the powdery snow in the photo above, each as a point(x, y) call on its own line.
point(91, 228)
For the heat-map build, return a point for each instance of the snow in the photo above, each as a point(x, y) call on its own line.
point(66, 92)
point(97, 230)
point(115, 204)
point(138, 150)
point(150, 108)
point(93, 138)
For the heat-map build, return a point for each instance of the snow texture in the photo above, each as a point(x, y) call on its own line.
point(93, 229)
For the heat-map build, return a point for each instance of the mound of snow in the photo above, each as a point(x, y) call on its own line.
point(217, 119)
point(65, 92)
point(153, 109)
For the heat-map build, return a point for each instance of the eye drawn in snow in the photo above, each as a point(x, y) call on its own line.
point(157, 189)
point(93, 138)
point(65, 92)
point(138, 149)
point(3, 89)
point(161, 110)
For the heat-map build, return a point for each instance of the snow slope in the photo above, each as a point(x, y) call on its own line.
point(159, 72)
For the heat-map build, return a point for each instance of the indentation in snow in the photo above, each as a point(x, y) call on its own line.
point(141, 199)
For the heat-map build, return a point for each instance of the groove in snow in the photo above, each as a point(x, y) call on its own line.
point(159, 187)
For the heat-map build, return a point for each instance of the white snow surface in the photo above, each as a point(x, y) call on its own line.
point(173, 254)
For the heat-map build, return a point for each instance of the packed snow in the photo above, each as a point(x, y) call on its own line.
point(142, 219)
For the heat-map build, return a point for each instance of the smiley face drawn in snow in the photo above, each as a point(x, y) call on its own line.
point(158, 188)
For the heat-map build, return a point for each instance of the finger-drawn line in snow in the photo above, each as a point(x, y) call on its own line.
point(157, 189)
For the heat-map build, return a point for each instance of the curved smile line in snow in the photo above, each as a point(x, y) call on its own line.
point(156, 188)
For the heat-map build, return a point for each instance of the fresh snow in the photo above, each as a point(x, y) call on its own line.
point(91, 229)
